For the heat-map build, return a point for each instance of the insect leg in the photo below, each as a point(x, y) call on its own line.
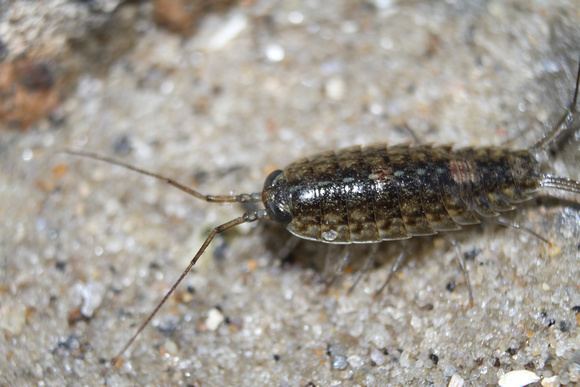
point(394, 268)
point(287, 249)
point(328, 258)
point(248, 217)
point(563, 124)
point(369, 262)
point(242, 198)
point(338, 270)
point(412, 134)
point(507, 223)
point(461, 261)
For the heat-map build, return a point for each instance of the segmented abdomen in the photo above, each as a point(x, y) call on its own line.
point(358, 195)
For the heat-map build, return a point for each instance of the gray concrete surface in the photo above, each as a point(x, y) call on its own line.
point(88, 249)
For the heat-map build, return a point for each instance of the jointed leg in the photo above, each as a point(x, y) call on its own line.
point(338, 270)
point(412, 134)
point(507, 223)
point(369, 261)
point(288, 247)
point(394, 268)
point(461, 262)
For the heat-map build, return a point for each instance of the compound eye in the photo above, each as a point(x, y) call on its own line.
point(271, 178)
point(275, 198)
point(278, 212)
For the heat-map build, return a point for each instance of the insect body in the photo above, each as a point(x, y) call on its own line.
point(377, 193)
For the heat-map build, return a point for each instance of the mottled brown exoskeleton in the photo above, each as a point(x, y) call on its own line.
point(379, 192)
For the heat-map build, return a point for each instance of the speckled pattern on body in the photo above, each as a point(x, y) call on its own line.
point(377, 193)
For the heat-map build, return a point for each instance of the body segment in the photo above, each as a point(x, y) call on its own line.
point(375, 193)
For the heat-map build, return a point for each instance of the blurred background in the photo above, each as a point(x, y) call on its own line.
point(218, 94)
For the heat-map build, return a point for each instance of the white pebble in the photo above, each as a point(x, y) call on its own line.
point(27, 155)
point(552, 381)
point(383, 4)
point(335, 88)
point(170, 347)
point(545, 287)
point(518, 378)
point(90, 295)
point(355, 361)
point(377, 357)
point(275, 53)
point(339, 362)
point(456, 381)
point(295, 17)
point(214, 319)
point(228, 32)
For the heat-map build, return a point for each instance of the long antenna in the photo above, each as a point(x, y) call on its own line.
point(247, 217)
point(564, 123)
point(241, 198)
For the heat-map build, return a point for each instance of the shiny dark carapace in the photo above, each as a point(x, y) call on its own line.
point(376, 193)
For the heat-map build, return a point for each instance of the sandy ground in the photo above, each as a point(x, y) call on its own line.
point(88, 249)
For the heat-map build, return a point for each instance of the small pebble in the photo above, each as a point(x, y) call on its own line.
point(355, 361)
point(295, 17)
point(335, 88)
point(170, 347)
point(275, 53)
point(456, 381)
point(339, 362)
point(91, 296)
point(214, 319)
point(377, 357)
point(552, 381)
point(545, 287)
point(518, 378)
point(27, 155)
point(230, 30)
point(12, 318)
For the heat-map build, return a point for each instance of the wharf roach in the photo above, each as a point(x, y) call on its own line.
point(380, 193)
